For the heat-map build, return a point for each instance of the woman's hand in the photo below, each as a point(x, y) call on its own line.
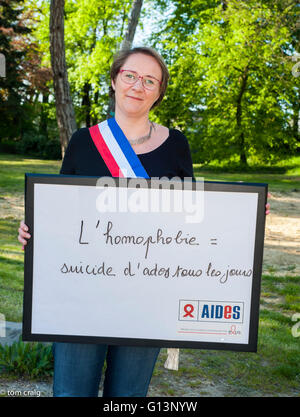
point(23, 234)
point(268, 206)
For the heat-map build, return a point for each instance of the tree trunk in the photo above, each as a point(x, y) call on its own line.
point(86, 103)
point(44, 118)
point(65, 115)
point(296, 120)
point(128, 39)
point(244, 77)
point(132, 24)
point(94, 117)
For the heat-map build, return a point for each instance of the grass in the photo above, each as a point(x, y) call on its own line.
point(273, 370)
point(13, 168)
point(283, 176)
point(11, 270)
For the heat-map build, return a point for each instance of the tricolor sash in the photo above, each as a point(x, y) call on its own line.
point(116, 151)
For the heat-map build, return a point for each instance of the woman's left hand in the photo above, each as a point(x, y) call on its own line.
point(268, 206)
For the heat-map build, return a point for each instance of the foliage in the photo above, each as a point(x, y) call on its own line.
point(39, 138)
point(33, 360)
point(12, 87)
point(25, 77)
point(231, 88)
point(35, 144)
point(93, 33)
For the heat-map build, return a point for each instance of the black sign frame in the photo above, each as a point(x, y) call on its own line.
point(260, 188)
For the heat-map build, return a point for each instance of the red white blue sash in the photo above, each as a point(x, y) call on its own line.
point(116, 151)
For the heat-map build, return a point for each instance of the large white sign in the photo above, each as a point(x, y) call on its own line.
point(137, 273)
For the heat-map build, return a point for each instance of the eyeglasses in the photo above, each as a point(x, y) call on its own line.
point(131, 77)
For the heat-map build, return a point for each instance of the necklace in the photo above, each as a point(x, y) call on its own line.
point(142, 139)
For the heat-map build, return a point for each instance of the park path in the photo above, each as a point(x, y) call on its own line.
point(282, 236)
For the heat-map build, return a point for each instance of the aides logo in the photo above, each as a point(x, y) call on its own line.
point(211, 311)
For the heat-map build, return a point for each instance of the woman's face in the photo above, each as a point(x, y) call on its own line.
point(135, 99)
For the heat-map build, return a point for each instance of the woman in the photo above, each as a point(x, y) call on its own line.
point(139, 80)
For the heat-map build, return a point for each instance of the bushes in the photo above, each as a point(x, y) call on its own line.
point(33, 144)
point(33, 360)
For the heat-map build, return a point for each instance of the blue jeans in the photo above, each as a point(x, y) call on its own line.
point(78, 368)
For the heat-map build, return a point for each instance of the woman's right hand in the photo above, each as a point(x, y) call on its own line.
point(23, 234)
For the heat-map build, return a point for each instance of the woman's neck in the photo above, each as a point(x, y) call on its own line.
point(133, 126)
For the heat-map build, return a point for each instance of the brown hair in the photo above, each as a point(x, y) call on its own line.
point(120, 59)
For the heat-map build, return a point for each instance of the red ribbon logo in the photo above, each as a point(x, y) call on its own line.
point(188, 308)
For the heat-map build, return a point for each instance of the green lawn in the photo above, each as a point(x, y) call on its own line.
point(12, 170)
point(273, 370)
point(284, 176)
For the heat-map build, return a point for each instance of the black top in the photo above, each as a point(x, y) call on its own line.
point(171, 159)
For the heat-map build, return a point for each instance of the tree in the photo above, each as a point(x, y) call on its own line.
point(231, 86)
point(13, 89)
point(64, 108)
point(94, 31)
point(132, 24)
point(128, 38)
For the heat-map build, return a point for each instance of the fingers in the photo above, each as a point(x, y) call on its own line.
point(268, 206)
point(23, 226)
point(22, 240)
point(23, 234)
